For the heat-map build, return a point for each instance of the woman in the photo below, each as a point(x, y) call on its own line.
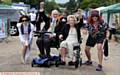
point(42, 21)
point(70, 35)
point(97, 33)
point(25, 29)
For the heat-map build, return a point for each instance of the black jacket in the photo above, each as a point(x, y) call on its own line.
point(60, 25)
point(40, 17)
point(66, 28)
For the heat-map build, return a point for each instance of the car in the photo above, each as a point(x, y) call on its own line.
point(13, 13)
point(13, 29)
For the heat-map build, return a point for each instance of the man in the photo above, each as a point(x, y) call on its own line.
point(46, 42)
point(32, 17)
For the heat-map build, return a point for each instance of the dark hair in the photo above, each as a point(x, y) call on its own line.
point(90, 20)
point(41, 1)
point(24, 16)
point(95, 13)
point(66, 12)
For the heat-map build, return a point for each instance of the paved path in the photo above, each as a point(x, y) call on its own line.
point(10, 60)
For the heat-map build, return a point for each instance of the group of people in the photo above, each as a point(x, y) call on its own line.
point(65, 33)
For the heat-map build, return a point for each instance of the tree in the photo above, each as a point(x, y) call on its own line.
point(7, 1)
point(1, 1)
point(49, 6)
point(85, 4)
point(71, 6)
point(26, 1)
point(16, 1)
point(78, 3)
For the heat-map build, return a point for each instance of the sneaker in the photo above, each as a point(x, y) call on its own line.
point(71, 63)
point(62, 63)
point(105, 58)
point(99, 68)
point(23, 60)
point(88, 62)
point(49, 56)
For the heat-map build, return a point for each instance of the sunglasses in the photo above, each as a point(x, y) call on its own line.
point(24, 20)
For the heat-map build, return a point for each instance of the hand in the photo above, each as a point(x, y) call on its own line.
point(61, 37)
point(107, 34)
point(26, 43)
point(41, 10)
point(54, 34)
point(51, 36)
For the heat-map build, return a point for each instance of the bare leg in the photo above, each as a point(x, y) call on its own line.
point(87, 52)
point(24, 51)
point(27, 54)
point(100, 57)
point(63, 53)
point(100, 53)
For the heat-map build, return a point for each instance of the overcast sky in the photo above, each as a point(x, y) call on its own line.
point(61, 1)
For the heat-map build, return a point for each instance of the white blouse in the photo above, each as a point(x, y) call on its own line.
point(25, 37)
point(72, 36)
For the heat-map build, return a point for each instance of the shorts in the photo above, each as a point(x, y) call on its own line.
point(91, 41)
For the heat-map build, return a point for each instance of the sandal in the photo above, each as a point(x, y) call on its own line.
point(88, 62)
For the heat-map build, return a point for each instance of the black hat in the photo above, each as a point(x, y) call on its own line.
point(95, 13)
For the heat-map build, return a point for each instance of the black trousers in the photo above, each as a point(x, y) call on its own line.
point(112, 32)
point(44, 45)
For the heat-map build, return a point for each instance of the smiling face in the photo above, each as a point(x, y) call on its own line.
point(95, 18)
point(55, 14)
point(71, 20)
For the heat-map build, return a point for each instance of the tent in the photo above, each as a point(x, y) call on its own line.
point(6, 9)
point(7, 15)
point(109, 11)
point(100, 8)
point(115, 8)
point(5, 12)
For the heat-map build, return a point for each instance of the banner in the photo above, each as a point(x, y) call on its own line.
point(3, 23)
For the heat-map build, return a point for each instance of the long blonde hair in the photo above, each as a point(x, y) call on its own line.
point(71, 16)
point(54, 12)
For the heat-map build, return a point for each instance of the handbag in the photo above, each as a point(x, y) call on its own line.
point(106, 48)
